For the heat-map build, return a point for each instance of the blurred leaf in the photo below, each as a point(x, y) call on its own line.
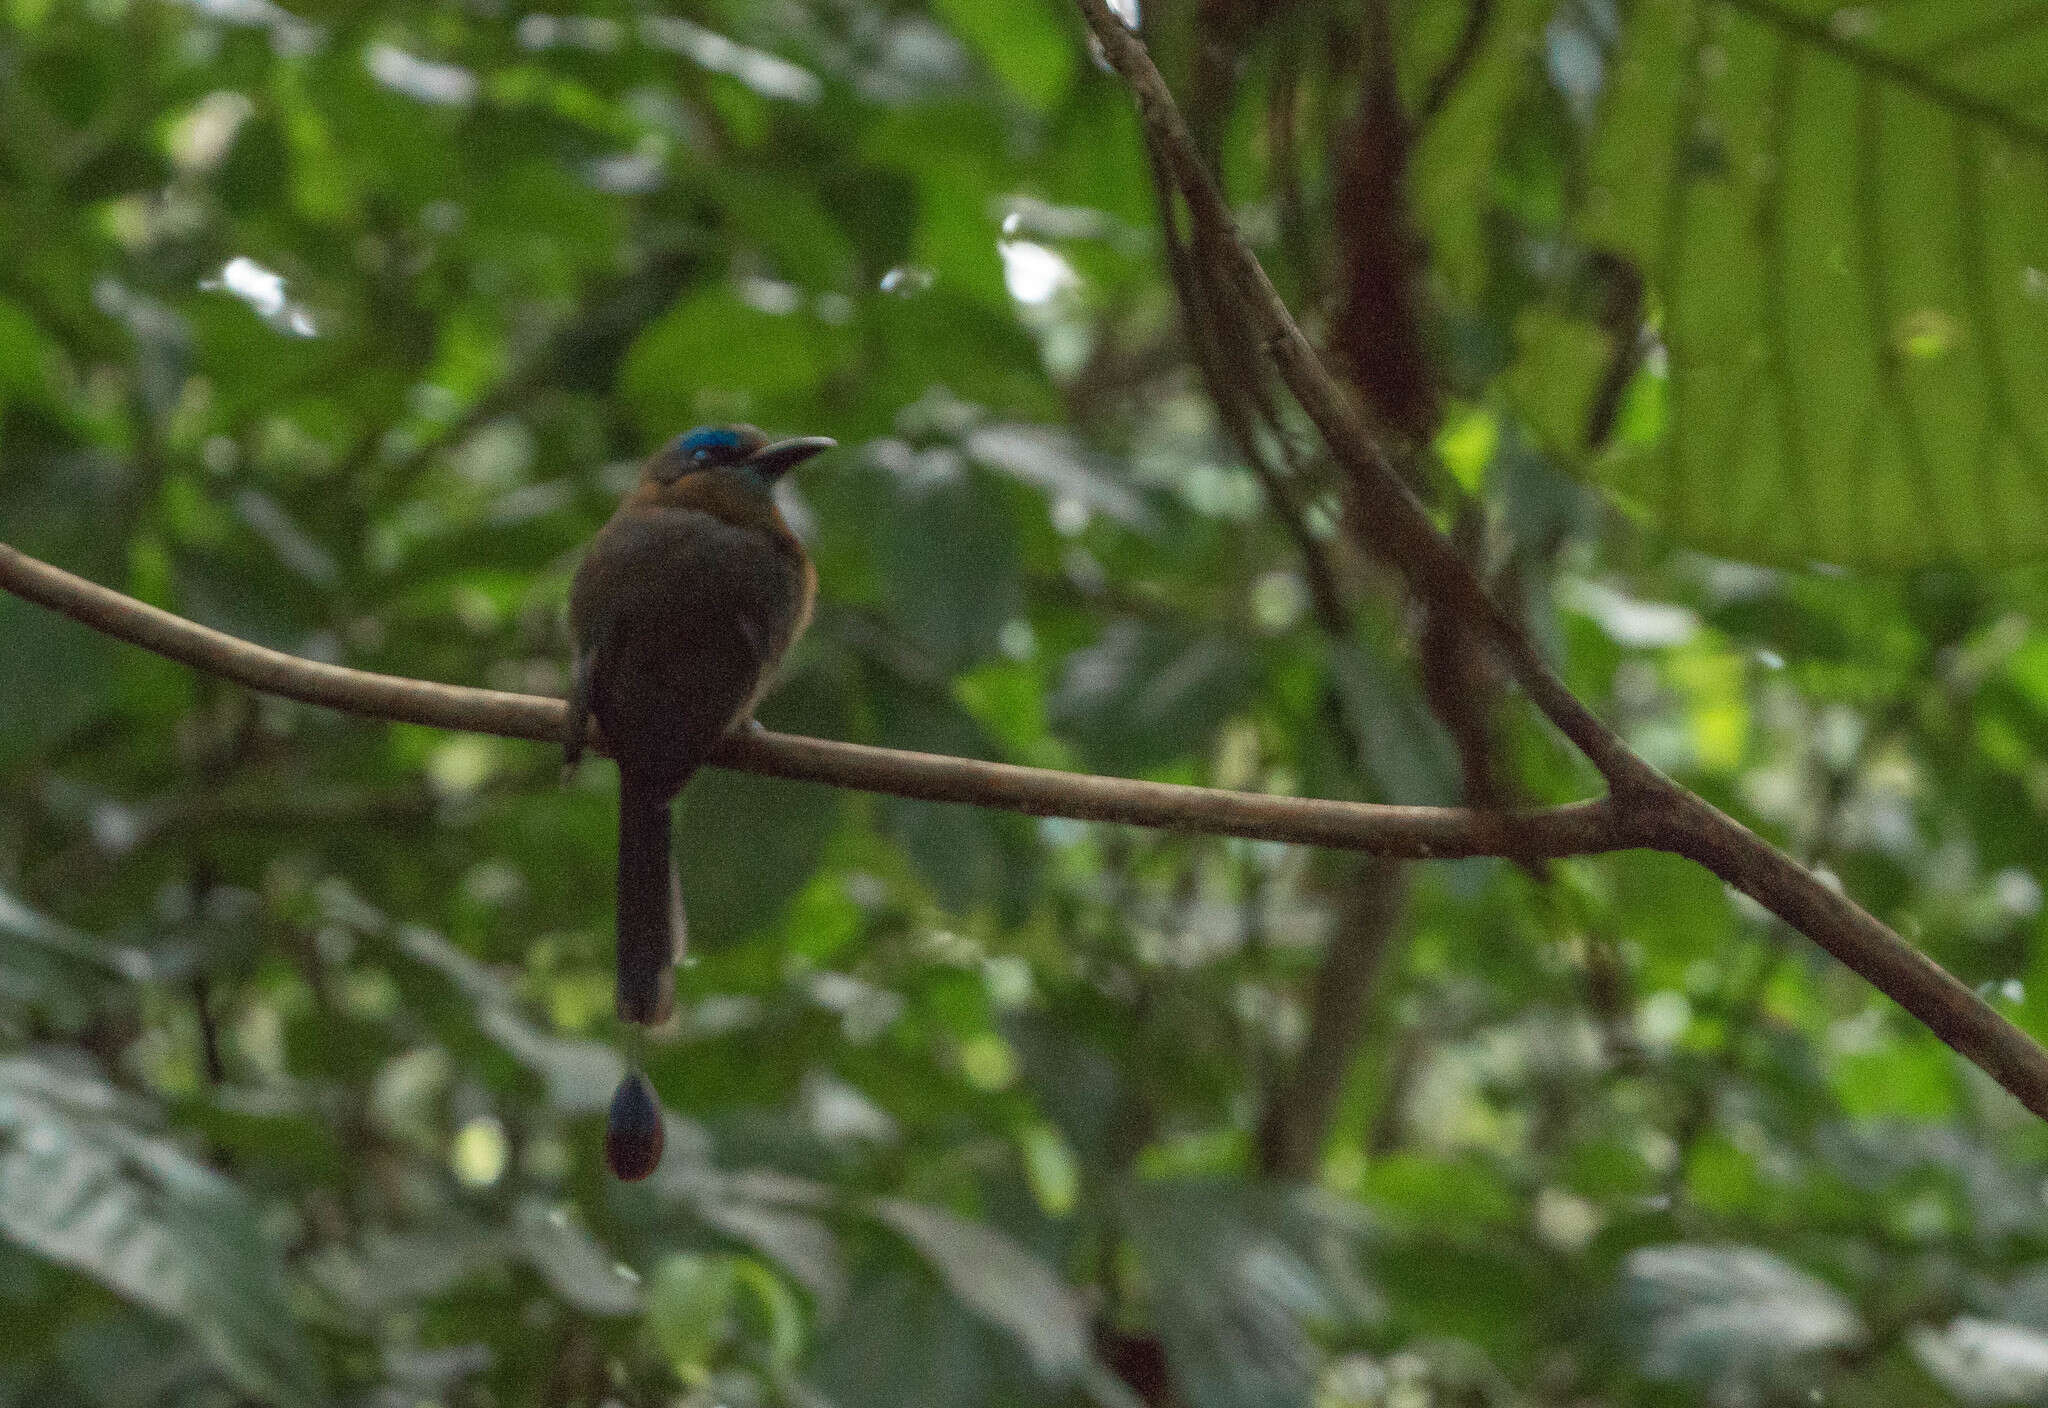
point(27, 358)
point(778, 1304)
point(1728, 1317)
point(689, 1298)
point(269, 1131)
point(1049, 1167)
point(1239, 1275)
point(716, 357)
point(1054, 461)
point(135, 1361)
point(967, 855)
point(773, 1214)
point(745, 846)
point(61, 973)
point(950, 555)
point(1411, 759)
point(54, 504)
point(1078, 1083)
point(1144, 695)
point(81, 1186)
point(570, 1260)
point(398, 1271)
point(1454, 162)
point(903, 1340)
point(580, 1075)
point(1984, 1361)
point(1030, 45)
point(1001, 1281)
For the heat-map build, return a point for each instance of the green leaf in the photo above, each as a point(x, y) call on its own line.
point(580, 1075)
point(53, 505)
point(689, 1306)
point(1050, 1169)
point(391, 1272)
point(771, 1213)
point(1059, 464)
point(1238, 1275)
point(1000, 1281)
point(27, 357)
point(132, 1360)
point(1452, 170)
point(60, 972)
point(82, 1186)
point(1728, 1318)
point(1984, 1361)
point(905, 1340)
point(1840, 225)
point(714, 356)
point(569, 1259)
point(1030, 45)
point(968, 856)
point(1145, 694)
point(951, 557)
point(745, 845)
point(1410, 757)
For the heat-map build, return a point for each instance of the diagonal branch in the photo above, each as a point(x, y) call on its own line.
point(1672, 818)
point(1403, 525)
point(1444, 82)
point(1225, 378)
point(1300, 1108)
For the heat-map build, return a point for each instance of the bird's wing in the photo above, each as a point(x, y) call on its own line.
point(577, 724)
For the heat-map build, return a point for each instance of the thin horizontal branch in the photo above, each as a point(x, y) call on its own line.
point(1582, 828)
point(1673, 820)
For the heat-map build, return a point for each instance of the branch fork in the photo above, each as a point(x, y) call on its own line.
point(1647, 807)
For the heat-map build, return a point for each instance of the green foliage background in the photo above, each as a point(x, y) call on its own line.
point(340, 326)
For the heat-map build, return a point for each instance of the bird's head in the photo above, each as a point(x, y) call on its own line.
point(738, 453)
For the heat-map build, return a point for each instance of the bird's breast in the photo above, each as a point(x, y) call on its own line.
point(684, 617)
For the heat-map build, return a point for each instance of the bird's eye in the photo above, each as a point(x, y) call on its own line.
point(700, 455)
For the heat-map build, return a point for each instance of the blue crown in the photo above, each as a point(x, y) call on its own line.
point(708, 438)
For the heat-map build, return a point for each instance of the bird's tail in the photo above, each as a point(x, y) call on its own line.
point(632, 1129)
point(650, 907)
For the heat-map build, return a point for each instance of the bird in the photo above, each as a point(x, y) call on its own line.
point(681, 611)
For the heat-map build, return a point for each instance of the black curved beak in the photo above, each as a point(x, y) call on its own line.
point(777, 459)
